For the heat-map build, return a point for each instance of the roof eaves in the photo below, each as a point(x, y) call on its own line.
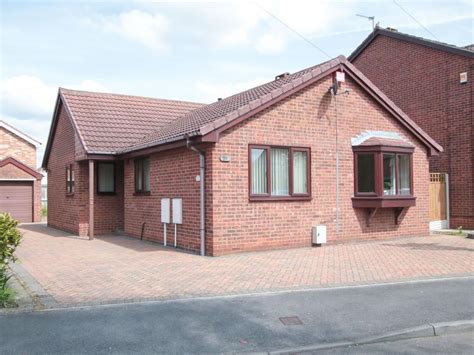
point(153, 144)
point(73, 120)
point(273, 97)
point(52, 130)
point(22, 166)
point(409, 38)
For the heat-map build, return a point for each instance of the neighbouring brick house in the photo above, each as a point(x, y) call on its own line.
point(255, 171)
point(433, 83)
point(20, 183)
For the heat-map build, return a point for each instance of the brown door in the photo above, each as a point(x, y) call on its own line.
point(16, 198)
point(438, 201)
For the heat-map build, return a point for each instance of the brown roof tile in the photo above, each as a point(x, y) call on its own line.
point(108, 123)
point(451, 48)
point(117, 124)
point(204, 119)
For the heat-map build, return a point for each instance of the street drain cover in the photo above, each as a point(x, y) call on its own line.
point(294, 320)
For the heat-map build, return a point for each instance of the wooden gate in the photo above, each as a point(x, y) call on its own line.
point(439, 207)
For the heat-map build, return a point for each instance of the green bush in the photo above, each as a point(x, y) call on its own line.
point(10, 238)
point(6, 295)
point(44, 211)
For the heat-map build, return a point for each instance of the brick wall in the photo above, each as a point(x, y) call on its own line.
point(173, 175)
point(37, 201)
point(307, 119)
point(71, 212)
point(13, 146)
point(10, 171)
point(108, 209)
point(424, 82)
point(66, 212)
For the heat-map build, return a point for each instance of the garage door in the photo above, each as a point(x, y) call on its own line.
point(16, 197)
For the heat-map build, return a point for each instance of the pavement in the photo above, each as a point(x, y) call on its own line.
point(62, 270)
point(255, 323)
point(461, 344)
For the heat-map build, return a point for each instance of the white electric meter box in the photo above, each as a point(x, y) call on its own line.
point(177, 210)
point(319, 234)
point(165, 210)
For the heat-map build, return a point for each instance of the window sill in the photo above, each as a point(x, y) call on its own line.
point(69, 194)
point(383, 201)
point(278, 198)
point(106, 193)
point(145, 193)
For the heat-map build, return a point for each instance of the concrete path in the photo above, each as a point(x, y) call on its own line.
point(75, 271)
point(240, 323)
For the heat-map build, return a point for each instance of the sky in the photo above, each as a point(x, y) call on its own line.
point(193, 51)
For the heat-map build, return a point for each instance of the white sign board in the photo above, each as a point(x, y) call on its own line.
point(177, 210)
point(165, 210)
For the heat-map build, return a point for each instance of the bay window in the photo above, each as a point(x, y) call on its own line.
point(389, 185)
point(279, 173)
point(383, 176)
point(106, 178)
point(365, 174)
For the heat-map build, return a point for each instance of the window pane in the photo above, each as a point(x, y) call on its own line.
point(259, 171)
point(68, 179)
point(280, 172)
point(146, 174)
point(389, 186)
point(300, 172)
point(72, 179)
point(138, 175)
point(404, 174)
point(365, 173)
point(105, 177)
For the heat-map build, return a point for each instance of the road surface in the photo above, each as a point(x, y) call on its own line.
point(240, 323)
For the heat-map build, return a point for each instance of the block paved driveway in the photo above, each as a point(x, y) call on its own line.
point(113, 269)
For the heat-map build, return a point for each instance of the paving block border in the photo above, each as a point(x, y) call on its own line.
point(422, 331)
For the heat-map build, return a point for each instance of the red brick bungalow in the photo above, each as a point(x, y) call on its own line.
point(433, 83)
point(255, 171)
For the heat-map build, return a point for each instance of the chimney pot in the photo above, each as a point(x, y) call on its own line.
point(281, 76)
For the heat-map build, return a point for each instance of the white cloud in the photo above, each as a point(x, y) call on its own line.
point(270, 43)
point(27, 103)
point(146, 28)
point(209, 92)
point(248, 24)
point(26, 96)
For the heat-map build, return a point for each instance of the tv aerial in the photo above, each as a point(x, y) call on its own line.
point(370, 18)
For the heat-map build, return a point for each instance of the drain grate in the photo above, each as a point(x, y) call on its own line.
point(293, 320)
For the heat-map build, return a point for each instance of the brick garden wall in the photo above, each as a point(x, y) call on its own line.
point(307, 119)
point(424, 82)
